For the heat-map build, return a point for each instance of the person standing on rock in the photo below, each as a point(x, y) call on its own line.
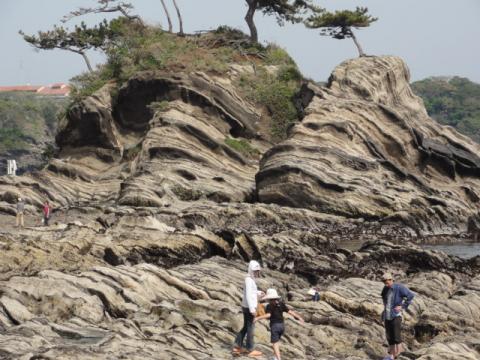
point(396, 297)
point(249, 309)
point(274, 311)
point(20, 211)
point(46, 213)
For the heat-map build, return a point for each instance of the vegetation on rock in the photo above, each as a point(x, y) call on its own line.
point(339, 24)
point(242, 146)
point(452, 101)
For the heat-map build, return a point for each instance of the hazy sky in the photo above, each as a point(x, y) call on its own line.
point(434, 37)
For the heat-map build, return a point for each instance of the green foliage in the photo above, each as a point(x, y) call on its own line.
point(134, 47)
point(49, 152)
point(158, 106)
point(79, 40)
point(275, 55)
point(452, 101)
point(24, 117)
point(11, 138)
point(338, 24)
point(275, 91)
point(284, 10)
point(186, 194)
point(242, 146)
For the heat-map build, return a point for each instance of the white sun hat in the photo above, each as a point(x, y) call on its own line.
point(271, 295)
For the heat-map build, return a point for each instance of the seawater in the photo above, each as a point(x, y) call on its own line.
point(465, 251)
point(462, 250)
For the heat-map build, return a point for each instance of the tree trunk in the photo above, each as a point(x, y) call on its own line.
point(252, 7)
point(170, 28)
point(180, 22)
point(357, 44)
point(86, 61)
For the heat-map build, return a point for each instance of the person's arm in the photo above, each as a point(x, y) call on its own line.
point(384, 299)
point(251, 294)
point(407, 297)
point(295, 315)
point(266, 316)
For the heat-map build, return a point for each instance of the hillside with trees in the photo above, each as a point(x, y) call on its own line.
point(453, 101)
point(27, 126)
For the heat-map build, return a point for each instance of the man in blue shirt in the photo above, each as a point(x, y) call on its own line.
point(396, 297)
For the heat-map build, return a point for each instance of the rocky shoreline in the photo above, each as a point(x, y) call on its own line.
point(155, 218)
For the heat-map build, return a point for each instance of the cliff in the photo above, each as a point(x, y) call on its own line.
point(166, 186)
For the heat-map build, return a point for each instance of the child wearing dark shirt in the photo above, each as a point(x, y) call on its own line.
point(274, 311)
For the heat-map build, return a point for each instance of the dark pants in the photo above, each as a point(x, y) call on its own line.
point(248, 328)
point(276, 332)
point(393, 330)
point(45, 220)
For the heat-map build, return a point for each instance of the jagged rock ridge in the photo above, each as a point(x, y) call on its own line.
point(366, 148)
point(156, 218)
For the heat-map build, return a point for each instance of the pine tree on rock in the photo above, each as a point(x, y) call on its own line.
point(81, 39)
point(284, 10)
point(339, 24)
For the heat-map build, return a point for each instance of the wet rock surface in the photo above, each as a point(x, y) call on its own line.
point(155, 218)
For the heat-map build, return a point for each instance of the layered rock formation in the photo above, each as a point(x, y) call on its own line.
point(156, 217)
point(366, 148)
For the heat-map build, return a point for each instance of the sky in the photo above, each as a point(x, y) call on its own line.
point(434, 37)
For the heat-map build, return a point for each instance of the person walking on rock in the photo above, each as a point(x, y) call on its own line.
point(274, 311)
point(46, 213)
point(396, 297)
point(20, 211)
point(249, 309)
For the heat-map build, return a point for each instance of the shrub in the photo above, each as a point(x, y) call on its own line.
point(186, 194)
point(158, 106)
point(242, 146)
point(276, 93)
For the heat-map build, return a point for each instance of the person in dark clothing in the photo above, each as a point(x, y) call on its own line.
point(274, 311)
point(396, 297)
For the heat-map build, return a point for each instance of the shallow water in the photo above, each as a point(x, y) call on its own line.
point(465, 251)
point(462, 250)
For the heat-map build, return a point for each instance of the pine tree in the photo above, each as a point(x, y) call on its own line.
point(339, 24)
point(283, 10)
point(81, 39)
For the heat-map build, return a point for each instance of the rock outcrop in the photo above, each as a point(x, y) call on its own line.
point(156, 216)
point(366, 148)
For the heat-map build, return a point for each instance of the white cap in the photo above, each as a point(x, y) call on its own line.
point(387, 276)
point(271, 295)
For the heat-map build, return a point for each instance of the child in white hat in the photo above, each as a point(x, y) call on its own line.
point(274, 311)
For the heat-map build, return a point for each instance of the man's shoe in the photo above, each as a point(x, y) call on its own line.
point(254, 353)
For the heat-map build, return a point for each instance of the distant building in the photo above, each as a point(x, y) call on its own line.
point(57, 89)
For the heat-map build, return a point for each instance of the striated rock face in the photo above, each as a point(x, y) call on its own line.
point(156, 215)
point(367, 149)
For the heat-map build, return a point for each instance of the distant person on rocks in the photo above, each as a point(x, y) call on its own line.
point(314, 293)
point(20, 211)
point(46, 213)
point(274, 311)
point(249, 309)
point(396, 297)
